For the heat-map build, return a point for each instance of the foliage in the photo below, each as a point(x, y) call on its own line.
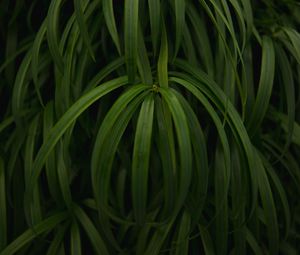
point(149, 127)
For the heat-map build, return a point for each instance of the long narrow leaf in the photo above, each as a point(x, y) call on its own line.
point(141, 157)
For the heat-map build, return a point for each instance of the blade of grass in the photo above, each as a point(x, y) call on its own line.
point(65, 122)
point(265, 86)
point(221, 201)
point(288, 84)
point(108, 69)
point(294, 38)
point(75, 239)
point(91, 231)
point(140, 160)
point(165, 149)
point(13, 57)
point(253, 243)
point(105, 129)
point(281, 192)
point(35, 207)
point(57, 240)
point(50, 166)
point(188, 46)
point(143, 63)
point(180, 21)
point(105, 147)
point(201, 37)
point(20, 87)
point(199, 186)
point(212, 113)
point(207, 241)
point(155, 22)
point(238, 190)
point(158, 239)
point(269, 209)
point(52, 33)
point(184, 144)
point(30, 234)
point(83, 27)
point(108, 10)
point(182, 243)
point(162, 65)
point(35, 58)
point(63, 177)
point(212, 90)
point(131, 37)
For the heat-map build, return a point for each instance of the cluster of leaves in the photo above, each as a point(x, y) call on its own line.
point(149, 127)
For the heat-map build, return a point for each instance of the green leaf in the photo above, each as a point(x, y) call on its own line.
point(184, 145)
point(265, 86)
point(13, 57)
point(108, 10)
point(180, 22)
point(199, 186)
point(167, 154)
point(158, 239)
point(140, 160)
point(281, 192)
point(143, 63)
point(82, 26)
point(65, 122)
point(131, 37)
point(75, 240)
point(35, 207)
point(91, 231)
point(284, 122)
point(107, 140)
point(200, 35)
point(99, 165)
point(182, 243)
point(207, 241)
point(63, 177)
point(52, 33)
point(162, 65)
point(103, 73)
point(197, 93)
point(221, 201)
point(35, 58)
point(50, 164)
point(294, 38)
point(253, 243)
point(155, 22)
point(217, 96)
point(269, 209)
point(30, 234)
point(57, 240)
point(20, 86)
point(287, 82)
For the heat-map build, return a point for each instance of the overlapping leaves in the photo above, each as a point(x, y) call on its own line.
point(149, 127)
